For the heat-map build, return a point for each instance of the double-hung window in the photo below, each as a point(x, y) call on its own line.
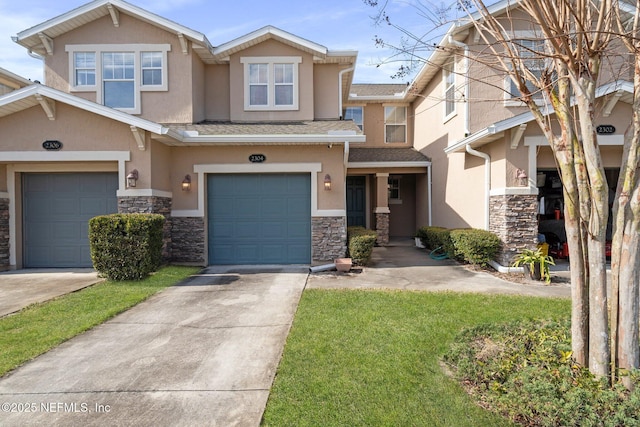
point(118, 73)
point(530, 52)
point(118, 80)
point(355, 114)
point(395, 124)
point(449, 80)
point(271, 83)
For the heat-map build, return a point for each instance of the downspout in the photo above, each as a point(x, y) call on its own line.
point(346, 70)
point(487, 180)
point(430, 198)
point(456, 43)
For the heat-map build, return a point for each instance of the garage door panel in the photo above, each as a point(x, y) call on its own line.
point(56, 212)
point(269, 221)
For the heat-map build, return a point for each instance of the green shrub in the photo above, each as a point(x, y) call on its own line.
point(126, 246)
point(475, 246)
point(360, 244)
point(525, 371)
point(432, 237)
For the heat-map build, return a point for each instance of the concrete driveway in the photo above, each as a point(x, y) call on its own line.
point(204, 352)
point(20, 288)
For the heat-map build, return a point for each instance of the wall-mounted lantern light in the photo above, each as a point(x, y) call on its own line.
point(327, 182)
point(132, 178)
point(522, 177)
point(186, 183)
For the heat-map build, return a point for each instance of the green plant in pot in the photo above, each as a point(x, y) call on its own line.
point(535, 263)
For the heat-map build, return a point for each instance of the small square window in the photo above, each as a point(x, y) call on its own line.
point(394, 188)
point(355, 114)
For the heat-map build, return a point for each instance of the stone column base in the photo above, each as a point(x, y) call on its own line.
point(328, 238)
point(514, 221)
point(4, 234)
point(382, 228)
point(188, 240)
point(155, 205)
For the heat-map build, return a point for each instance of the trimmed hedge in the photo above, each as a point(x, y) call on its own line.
point(469, 244)
point(360, 244)
point(126, 246)
point(475, 246)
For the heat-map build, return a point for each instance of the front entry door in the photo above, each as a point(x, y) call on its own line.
point(356, 201)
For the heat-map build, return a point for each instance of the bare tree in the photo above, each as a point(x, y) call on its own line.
point(563, 63)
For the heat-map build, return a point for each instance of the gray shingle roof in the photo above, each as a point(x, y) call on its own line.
point(377, 89)
point(321, 127)
point(367, 155)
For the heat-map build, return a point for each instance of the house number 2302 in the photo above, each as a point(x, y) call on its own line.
point(257, 158)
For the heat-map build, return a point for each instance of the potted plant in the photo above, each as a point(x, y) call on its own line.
point(536, 264)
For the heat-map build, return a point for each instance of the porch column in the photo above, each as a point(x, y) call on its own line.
point(382, 208)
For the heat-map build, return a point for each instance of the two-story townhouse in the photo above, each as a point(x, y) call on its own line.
point(242, 146)
point(493, 168)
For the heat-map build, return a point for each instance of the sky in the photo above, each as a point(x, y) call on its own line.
point(335, 24)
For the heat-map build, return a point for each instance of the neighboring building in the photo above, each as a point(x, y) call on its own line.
point(259, 150)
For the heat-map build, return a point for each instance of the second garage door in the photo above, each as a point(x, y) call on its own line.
point(57, 208)
point(259, 218)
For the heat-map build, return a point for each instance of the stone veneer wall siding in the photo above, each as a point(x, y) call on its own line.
point(514, 221)
point(328, 238)
point(155, 205)
point(4, 234)
point(382, 228)
point(188, 240)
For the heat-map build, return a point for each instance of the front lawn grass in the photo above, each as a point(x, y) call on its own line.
point(373, 358)
point(40, 327)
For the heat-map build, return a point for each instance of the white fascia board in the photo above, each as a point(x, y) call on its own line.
point(250, 139)
point(273, 31)
point(368, 165)
point(397, 97)
point(82, 104)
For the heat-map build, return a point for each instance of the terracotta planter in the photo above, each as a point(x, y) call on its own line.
point(343, 264)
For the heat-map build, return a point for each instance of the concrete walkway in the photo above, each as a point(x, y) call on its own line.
point(204, 352)
point(402, 266)
point(20, 288)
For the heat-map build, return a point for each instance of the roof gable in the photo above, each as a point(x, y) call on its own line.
point(39, 39)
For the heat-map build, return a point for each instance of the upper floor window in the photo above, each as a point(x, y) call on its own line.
point(355, 114)
point(271, 83)
point(118, 73)
point(531, 53)
point(395, 124)
point(449, 79)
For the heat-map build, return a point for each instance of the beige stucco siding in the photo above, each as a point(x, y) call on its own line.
point(272, 48)
point(217, 92)
point(182, 160)
point(154, 105)
point(325, 91)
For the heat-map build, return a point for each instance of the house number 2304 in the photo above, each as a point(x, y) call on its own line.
point(257, 158)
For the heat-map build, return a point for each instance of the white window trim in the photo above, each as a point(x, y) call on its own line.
point(270, 61)
point(508, 100)
point(137, 50)
point(447, 117)
point(406, 126)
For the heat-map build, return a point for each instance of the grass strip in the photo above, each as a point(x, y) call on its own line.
point(40, 327)
point(372, 358)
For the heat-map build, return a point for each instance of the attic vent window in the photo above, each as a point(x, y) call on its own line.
point(270, 83)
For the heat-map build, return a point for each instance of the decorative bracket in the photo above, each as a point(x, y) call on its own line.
point(516, 135)
point(139, 136)
point(115, 15)
point(183, 43)
point(47, 42)
point(606, 112)
point(48, 106)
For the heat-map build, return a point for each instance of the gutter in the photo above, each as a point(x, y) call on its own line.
point(487, 180)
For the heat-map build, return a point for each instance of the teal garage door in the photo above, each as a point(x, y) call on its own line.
point(56, 212)
point(259, 218)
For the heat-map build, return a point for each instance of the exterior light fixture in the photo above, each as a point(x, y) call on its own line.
point(132, 178)
point(327, 182)
point(186, 183)
point(521, 176)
